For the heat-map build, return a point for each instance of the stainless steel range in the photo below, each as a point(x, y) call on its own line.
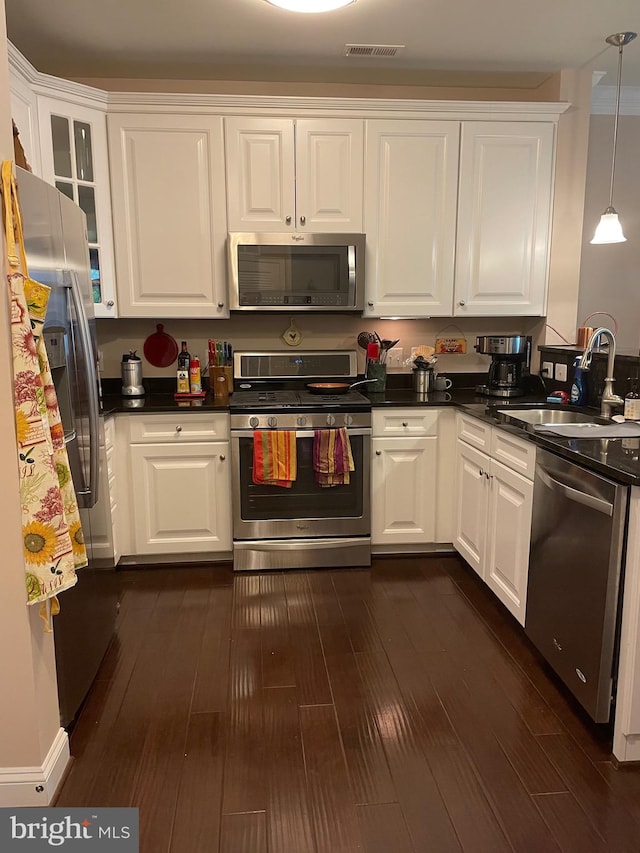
point(306, 525)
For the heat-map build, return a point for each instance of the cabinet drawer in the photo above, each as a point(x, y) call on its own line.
point(145, 429)
point(513, 452)
point(474, 432)
point(407, 422)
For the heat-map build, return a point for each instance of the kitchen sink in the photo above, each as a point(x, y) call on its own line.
point(529, 418)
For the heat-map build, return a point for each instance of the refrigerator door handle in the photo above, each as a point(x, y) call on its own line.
point(90, 494)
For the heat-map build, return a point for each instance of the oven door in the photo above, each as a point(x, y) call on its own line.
point(306, 509)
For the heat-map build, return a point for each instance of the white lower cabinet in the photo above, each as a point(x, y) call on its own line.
point(100, 523)
point(493, 513)
point(472, 506)
point(404, 507)
point(180, 490)
point(182, 498)
point(410, 477)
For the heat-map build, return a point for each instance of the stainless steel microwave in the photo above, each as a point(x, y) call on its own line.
point(296, 272)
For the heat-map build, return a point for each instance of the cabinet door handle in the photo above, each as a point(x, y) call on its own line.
point(222, 457)
point(405, 424)
point(178, 428)
point(461, 303)
point(287, 219)
point(220, 304)
point(303, 220)
point(378, 453)
point(370, 304)
point(110, 303)
point(481, 472)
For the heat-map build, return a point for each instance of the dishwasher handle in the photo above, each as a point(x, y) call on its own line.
point(575, 495)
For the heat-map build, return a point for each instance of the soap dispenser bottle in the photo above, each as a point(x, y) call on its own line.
point(632, 401)
point(578, 395)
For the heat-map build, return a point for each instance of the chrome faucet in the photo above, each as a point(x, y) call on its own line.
point(609, 399)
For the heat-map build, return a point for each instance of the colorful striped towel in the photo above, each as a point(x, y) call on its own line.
point(274, 457)
point(332, 457)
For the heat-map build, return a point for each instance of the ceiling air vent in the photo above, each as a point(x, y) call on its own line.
point(384, 50)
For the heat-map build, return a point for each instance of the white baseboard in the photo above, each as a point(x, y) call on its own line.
point(35, 786)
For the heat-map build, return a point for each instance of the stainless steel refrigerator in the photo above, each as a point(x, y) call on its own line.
point(55, 233)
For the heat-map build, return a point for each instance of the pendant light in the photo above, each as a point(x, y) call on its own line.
point(609, 229)
point(310, 5)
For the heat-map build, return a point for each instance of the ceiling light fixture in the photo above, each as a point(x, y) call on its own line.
point(310, 5)
point(609, 229)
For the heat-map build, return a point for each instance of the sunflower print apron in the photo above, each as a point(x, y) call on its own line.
point(51, 531)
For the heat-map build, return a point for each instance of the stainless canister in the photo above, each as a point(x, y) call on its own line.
point(422, 381)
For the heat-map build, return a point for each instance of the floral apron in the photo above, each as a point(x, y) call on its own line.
point(52, 538)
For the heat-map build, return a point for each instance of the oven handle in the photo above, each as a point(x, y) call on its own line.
point(300, 433)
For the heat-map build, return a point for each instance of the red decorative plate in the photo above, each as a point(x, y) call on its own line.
point(160, 349)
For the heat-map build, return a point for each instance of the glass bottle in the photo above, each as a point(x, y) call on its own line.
point(184, 363)
point(184, 359)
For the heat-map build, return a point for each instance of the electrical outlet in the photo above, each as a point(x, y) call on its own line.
point(547, 369)
point(561, 372)
point(395, 357)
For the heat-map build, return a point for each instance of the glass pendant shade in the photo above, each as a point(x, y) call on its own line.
point(609, 229)
point(310, 5)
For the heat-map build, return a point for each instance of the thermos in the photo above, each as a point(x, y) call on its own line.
point(131, 369)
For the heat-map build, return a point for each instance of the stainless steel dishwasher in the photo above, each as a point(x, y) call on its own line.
point(577, 547)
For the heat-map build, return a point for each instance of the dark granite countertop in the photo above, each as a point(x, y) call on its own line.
point(615, 458)
point(158, 402)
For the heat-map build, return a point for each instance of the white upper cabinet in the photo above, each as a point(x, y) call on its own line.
point(411, 186)
point(168, 192)
point(458, 217)
point(73, 145)
point(24, 111)
point(294, 174)
point(504, 218)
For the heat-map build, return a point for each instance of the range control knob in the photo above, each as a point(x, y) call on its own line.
point(272, 422)
point(253, 422)
point(348, 420)
point(331, 419)
point(301, 421)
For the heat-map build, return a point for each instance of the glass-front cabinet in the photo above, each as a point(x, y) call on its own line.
point(74, 158)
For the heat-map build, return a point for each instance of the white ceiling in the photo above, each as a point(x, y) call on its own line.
point(250, 39)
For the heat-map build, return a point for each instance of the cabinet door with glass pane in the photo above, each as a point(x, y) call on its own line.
point(73, 141)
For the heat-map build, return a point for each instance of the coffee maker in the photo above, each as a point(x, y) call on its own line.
point(510, 362)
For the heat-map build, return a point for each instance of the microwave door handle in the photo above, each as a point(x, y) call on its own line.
point(351, 254)
point(575, 495)
point(90, 494)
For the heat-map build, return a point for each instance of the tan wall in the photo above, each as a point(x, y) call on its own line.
point(475, 88)
point(29, 704)
point(571, 165)
point(610, 279)
point(256, 332)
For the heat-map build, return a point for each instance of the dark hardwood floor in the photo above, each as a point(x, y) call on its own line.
point(396, 710)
